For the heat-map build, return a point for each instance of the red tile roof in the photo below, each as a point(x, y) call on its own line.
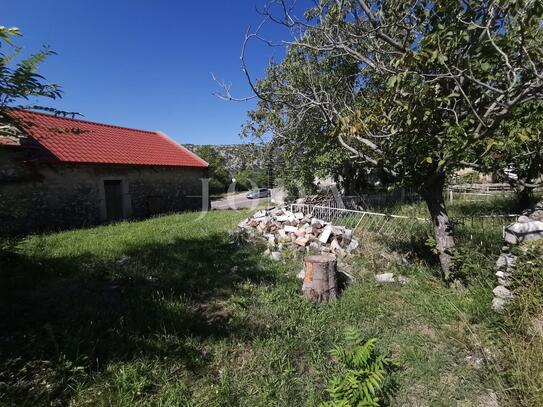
point(80, 141)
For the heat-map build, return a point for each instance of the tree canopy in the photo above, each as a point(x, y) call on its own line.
point(219, 177)
point(19, 81)
point(410, 87)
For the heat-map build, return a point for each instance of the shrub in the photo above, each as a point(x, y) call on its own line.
point(363, 373)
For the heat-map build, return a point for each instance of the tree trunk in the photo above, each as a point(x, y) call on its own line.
point(443, 233)
point(320, 279)
point(524, 197)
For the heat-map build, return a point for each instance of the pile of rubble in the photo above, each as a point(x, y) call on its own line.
point(281, 228)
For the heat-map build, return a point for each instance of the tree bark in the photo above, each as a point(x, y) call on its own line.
point(443, 232)
point(320, 278)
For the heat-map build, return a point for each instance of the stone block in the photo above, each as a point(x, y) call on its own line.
point(502, 292)
point(498, 304)
point(505, 262)
point(302, 241)
point(521, 232)
point(385, 278)
point(317, 223)
point(259, 214)
point(325, 235)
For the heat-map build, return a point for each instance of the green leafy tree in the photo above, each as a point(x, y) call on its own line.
point(219, 176)
point(20, 81)
point(516, 153)
point(409, 87)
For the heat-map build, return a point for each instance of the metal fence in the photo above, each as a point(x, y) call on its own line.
point(368, 222)
point(398, 226)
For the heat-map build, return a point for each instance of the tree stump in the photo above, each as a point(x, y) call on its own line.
point(320, 279)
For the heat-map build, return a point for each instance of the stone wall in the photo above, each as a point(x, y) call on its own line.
point(37, 196)
point(528, 227)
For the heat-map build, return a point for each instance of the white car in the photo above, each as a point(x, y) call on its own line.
point(259, 193)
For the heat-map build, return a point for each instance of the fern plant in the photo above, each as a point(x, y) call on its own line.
point(363, 373)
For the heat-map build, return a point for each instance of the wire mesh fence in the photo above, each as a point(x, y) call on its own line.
point(402, 227)
point(389, 200)
point(381, 224)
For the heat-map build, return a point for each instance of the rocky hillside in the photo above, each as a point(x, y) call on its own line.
point(237, 156)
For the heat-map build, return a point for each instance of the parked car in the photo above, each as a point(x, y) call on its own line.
point(259, 193)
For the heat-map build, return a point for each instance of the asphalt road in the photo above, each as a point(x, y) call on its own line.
point(238, 201)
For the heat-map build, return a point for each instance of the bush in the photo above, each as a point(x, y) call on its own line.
point(218, 173)
point(249, 179)
point(362, 380)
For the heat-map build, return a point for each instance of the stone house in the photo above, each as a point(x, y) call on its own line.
point(65, 173)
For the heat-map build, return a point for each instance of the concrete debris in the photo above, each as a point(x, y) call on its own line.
point(302, 241)
point(325, 235)
point(275, 256)
point(281, 228)
point(385, 278)
point(403, 280)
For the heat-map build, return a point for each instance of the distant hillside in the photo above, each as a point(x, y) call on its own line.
point(237, 156)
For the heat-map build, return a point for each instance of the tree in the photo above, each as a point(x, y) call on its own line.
point(516, 154)
point(409, 87)
point(20, 81)
point(219, 176)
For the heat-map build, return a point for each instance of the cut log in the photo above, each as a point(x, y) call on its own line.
point(320, 279)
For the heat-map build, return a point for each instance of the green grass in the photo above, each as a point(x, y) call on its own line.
point(169, 312)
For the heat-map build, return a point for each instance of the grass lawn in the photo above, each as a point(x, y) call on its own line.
point(168, 312)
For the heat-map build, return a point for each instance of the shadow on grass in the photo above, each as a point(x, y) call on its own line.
point(94, 310)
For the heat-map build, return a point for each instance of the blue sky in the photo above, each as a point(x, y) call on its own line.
point(147, 64)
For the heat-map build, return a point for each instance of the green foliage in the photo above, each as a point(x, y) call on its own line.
point(523, 343)
point(517, 148)
point(219, 176)
point(527, 282)
point(413, 114)
point(363, 373)
point(248, 179)
point(412, 88)
point(22, 81)
point(6, 33)
point(167, 312)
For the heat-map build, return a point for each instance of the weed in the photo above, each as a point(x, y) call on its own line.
point(363, 375)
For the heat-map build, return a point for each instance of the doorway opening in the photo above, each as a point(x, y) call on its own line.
point(114, 199)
